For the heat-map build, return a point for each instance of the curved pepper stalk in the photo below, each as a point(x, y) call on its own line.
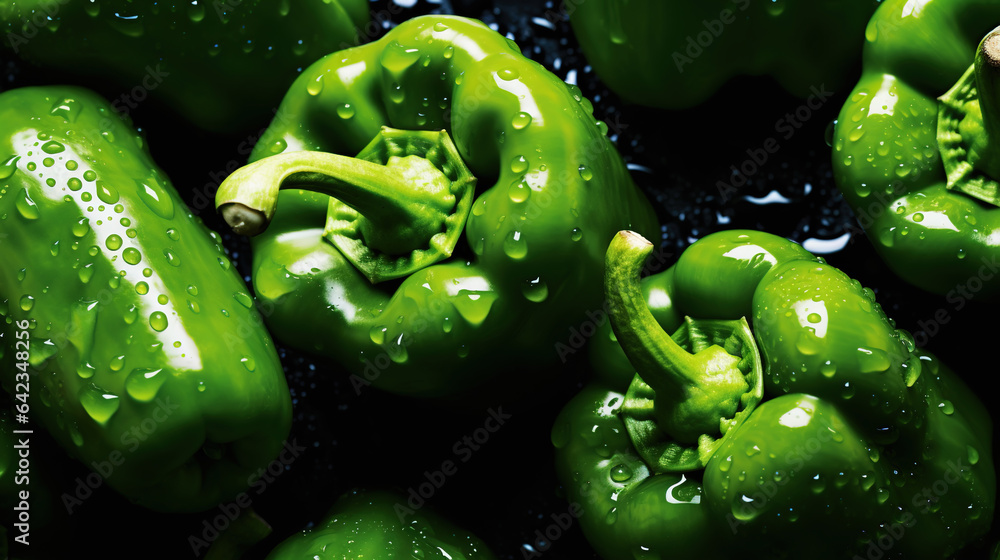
point(690, 388)
point(399, 206)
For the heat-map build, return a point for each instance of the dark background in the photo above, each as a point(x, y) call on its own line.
point(507, 489)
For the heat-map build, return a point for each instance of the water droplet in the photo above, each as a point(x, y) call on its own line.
point(621, 473)
point(27, 302)
point(345, 111)
point(155, 197)
point(474, 307)
point(243, 299)
point(26, 206)
point(193, 305)
point(101, 405)
point(848, 391)
point(85, 370)
point(315, 87)
point(224, 263)
point(52, 147)
point(114, 242)
point(828, 368)
point(814, 318)
point(158, 321)
point(117, 363)
point(535, 290)
point(520, 120)
point(192, 290)
point(67, 107)
point(515, 247)
point(519, 191)
point(107, 193)
point(86, 272)
point(196, 11)
point(162, 299)
point(585, 173)
point(131, 255)
point(8, 167)
point(872, 360)
point(172, 258)
point(519, 164)
point(248, 363)
point(973, 454)
point(377, 334)
point(508, 74)
point(946, 407)
point(144, 383)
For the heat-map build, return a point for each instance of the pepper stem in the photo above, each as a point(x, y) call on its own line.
point(987, 69)
point(408, 194)
point(695, 393)
point(397, 207)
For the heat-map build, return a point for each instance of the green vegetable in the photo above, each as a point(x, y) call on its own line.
point(674, 55)
point(920, 171)
point(203, 59)
point(860, 445)
point(366, 525)
point(552, 192)
point(147, 360)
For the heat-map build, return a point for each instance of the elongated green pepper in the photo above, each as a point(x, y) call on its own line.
point(915, 145)
point(485, 280)
point(672, 54)
point(366, 525)
point(858, 444)
point(146, 358)
point(204, 59)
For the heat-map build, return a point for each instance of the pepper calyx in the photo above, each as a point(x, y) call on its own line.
point(397, 207)
point(692, 388)
point(968, 127)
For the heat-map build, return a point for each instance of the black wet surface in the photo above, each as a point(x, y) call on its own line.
point(507, 490)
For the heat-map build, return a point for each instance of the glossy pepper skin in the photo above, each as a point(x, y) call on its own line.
point(366, 525)
point(840, 458)
point(674, 55)
point(551, 191)
point(146, 352)
point(934, 232)
point(204, 59)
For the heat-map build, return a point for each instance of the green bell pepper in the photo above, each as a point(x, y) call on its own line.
point(556, 192)
point(366, 525)
point(203, 59)
point(127, 333)
point(920, 172)
point(674, 55)
point(826, 434)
